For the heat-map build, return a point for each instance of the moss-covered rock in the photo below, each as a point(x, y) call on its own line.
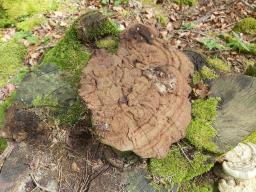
point(187, 2)
point(93, 25)
point(247, 25)
point(12, 55)
point(30, 23)
point(218, 64)
point(175, 168)
point(200, 131)
point(194, 187)
point(108, 43)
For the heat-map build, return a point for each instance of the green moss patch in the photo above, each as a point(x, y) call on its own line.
point(251, 70)
point(69, 55)
point(30, 23)
point(103, 29)
point(3, 145)
point(218, 65)
point(175, 168)
point(247, 25)
point(187, 2)
point(200, 131)
point(108, 43)
point(12, 55)
point(4, 106)
point(20, 8)
point(193, 187)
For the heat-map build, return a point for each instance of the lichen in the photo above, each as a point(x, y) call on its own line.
point(187, 2)
point(207, 73)
point(69, 55)
point(247, 25)
point(175, 168)
point(12, 55)
point(30, 23)
point(200, 131)
point(218, 64)
point(108, 43)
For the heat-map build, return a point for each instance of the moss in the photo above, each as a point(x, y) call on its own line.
point(251, 70)
point(12, 55)
point(162, 19)
point(175, 168)
point(3, 145)
point(187, 2)
point(73, 114)
point(207, 73)
point(30, 23)
point(251, 138)
point(200, 134)
point(196, 78)
point(247, 25)
point(193, 187)
point(205, 109)
point(218, 64)
point(200, 131)
point(103, 29)
point(69, 55)
point(108, 43)
point(40, 101)
point(4, 106)
point(20, 8)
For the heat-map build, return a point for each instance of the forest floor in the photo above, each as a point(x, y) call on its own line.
point(202, 27)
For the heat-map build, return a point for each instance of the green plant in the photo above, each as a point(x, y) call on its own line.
point(187, 2)
point(115, 2)
point(218, 64)
point(247, 25)
point(31, 22)
point(236, 43)
point(212, 44)
point(29, 36)
point(187, 26)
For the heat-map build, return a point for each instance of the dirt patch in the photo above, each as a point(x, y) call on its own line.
point(139, 96)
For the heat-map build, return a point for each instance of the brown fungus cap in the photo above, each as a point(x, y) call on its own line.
point(139, 96)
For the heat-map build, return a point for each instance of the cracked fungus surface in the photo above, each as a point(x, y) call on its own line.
point(138, 96)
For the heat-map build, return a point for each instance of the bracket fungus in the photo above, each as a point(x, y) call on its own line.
point(239, 167)
point(139, 95)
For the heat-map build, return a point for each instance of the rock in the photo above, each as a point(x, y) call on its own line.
point(139, 96)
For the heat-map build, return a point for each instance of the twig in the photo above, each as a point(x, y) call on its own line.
point(185, 155)
point(38, 185)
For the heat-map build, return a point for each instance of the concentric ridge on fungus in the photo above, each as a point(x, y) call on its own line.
point(139, 96)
